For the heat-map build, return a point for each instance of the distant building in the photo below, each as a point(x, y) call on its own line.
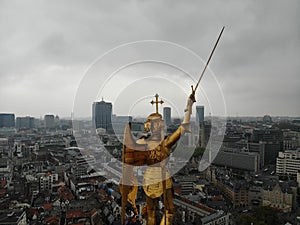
point(25, 122)
point(235, 158)
point(220, 218)
point(47, 180)
point(49, 121)
point(253, 147)
point(273, 139)
point(119, 123)
point(32, 184)
point(79, 170)
point(186, 185)
point(7, 120)
point(199, 113)
point(13, 218)
point(190, 210)
point(288, 162)
point(85, 160)
point(4, 164)
point(204, 133)
point(167, 116)
point(237, 191)
point(233, 133)
point(279, 197)
point(4, 146)
point(267, 119)
point(176, 121)
point(137, 128)
point(101, 115)
point(5, 168)
point(291, 140)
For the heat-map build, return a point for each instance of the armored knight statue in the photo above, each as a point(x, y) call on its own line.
point(152, 150)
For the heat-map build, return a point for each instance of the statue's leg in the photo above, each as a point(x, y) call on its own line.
point(151, 206)
point(169, 207)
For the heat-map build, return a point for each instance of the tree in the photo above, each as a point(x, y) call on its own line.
point(260, 216)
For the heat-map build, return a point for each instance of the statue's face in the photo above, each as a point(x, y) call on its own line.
point(147, 126)
point(157, 126)
point(154, 123)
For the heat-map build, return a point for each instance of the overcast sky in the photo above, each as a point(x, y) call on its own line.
point(46, 47)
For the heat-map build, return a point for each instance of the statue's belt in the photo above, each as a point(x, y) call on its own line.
point(148, 157)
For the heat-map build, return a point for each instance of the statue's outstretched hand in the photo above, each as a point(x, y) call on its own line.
point(192, 97)
point(188, 112)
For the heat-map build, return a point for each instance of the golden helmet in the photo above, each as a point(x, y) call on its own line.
point(153, 117)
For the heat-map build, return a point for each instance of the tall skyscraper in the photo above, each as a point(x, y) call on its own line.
point(167, 116)
point(203, 132)
point(7, 120)
point(25, 122)
point(200, 113)
point(101, 115)
point(49, 121)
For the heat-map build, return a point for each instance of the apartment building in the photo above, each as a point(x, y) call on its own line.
point(278, 196)
point(288, 162)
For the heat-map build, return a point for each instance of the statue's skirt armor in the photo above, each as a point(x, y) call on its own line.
point(153, 185)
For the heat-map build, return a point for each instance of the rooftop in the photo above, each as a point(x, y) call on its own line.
point(11, 217)
point(213, 216)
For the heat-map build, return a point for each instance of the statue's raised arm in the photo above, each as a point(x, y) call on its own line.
point(185, 125)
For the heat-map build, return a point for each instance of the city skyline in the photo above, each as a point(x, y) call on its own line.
point(161, 111)
point(48, 46)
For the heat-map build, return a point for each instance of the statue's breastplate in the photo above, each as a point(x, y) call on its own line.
point(154, 153)
point(157, 152)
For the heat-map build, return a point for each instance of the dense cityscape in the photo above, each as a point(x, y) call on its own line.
point(48, 178)
point(81, 145)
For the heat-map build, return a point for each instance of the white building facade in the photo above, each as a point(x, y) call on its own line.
point(288, 162)
point(47, 181)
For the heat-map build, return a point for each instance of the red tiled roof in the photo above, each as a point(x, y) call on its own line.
point(31, 212)
point(48, 206)
point(101, 191)
point(79, 213)
point(218, 198)
point(198, 205)
point(3, 192)
point(62, 188)
point(3, 183)
point(74, 214)
point(51, 220)
point(67, 195)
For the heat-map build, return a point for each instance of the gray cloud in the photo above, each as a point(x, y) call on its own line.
point(47, 45)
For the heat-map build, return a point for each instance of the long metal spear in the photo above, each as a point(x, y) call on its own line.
point(212, 52)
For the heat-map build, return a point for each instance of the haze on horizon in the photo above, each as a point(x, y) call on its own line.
point(47, 46)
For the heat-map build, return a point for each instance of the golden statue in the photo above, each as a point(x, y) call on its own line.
point(152, 150)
